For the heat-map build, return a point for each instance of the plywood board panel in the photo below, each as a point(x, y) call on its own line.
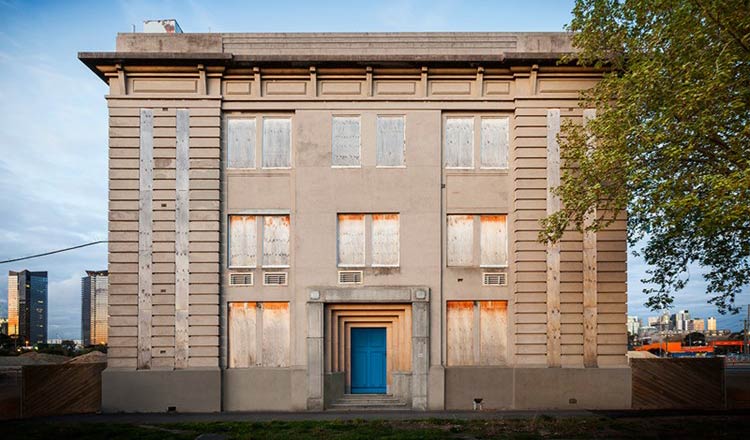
point(460, 240)
point(385, 239)
point(460, 320)
point(459, 142)
point(243, 241)
point(276, 232)
point(242, 334)
point(241, 134)
point(345, 141)
point(275, 339)
point(494, 146)
point(390, 141)
point(493, 342)
point(277, 142)
point(351, 240)
point(494, 240)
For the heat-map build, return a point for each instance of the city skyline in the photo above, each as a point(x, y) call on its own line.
point(65, 202)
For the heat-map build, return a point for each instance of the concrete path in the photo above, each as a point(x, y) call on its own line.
point(151, 418)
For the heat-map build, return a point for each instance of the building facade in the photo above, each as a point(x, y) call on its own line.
point(94, 302)
point(27, 307)
point(295, 218)
point(711, 324)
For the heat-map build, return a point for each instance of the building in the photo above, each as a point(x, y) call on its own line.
point(633, 325)
point(4, 326)
point(711, 324)
point(680, 321)
point(299, 217)
point(27, 307)
point(94, 300)
point(697, 325)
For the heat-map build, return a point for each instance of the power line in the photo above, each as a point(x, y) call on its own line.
point(53, 252)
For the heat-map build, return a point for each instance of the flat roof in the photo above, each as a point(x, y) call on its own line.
point(368, 48)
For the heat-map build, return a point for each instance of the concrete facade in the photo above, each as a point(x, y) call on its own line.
point(270, 192)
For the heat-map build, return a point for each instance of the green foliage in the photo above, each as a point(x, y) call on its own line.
point(672, 138)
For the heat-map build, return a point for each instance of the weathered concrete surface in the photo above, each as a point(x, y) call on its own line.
point(262, 389)
point(343, 45)
point(193, 390)
point(492, 384)
point(538, 388)
point(334, 387)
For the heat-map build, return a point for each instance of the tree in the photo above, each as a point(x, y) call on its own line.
point(672, 138)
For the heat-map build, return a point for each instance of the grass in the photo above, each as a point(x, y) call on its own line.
point(541, 427)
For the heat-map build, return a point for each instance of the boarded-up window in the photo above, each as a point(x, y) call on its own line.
point(351, 240)
point(494, 149)
point(459, 142)
point(241, 143)
point(275, 334)
point(390, 141)
point(258, 334)
point(345, 141)
point(277, 142)
point(385, 240)
point(276, 241)
point(494, 240)
point(477, 332)
point(242, 241)
point(460, 240)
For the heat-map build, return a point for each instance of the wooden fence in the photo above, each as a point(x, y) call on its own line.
point(46, 390)
point(678, 383)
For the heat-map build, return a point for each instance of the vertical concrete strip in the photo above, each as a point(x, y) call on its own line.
point(182, 240)
point(553, 250)
point(589, 279)
point(420, 354)
point(315, 355)
point(145, 236)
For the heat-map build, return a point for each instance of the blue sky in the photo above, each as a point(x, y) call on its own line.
point(53, 130)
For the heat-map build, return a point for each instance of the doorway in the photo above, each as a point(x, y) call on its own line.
point(368, 360)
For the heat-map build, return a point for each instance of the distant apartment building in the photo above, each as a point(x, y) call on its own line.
point(697, 325)
point(681, 320)
point(27, 306)
point(94, 312)
point(634, 325)
point(295, 218)
point(711, 324)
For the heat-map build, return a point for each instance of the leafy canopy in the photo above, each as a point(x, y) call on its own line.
point(672, 138)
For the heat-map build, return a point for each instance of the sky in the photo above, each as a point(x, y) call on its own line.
point(53, 129)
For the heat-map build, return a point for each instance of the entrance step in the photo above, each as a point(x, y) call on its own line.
point(368, 401)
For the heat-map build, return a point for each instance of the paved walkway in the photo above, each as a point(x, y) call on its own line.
point(143, 418)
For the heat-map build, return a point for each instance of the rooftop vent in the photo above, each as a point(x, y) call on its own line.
point(168, 26)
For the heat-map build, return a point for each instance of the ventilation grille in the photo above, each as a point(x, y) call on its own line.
point(350, 277)
point(241, 279)
point(494, 279)
point(274, 278)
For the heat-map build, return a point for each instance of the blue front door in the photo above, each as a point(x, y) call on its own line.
point(368, 361)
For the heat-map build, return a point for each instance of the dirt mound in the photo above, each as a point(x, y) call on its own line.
point(89, 358)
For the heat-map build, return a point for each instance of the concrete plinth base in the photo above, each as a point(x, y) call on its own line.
point(538, 388)
point(194, 390)
point(264, 389)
